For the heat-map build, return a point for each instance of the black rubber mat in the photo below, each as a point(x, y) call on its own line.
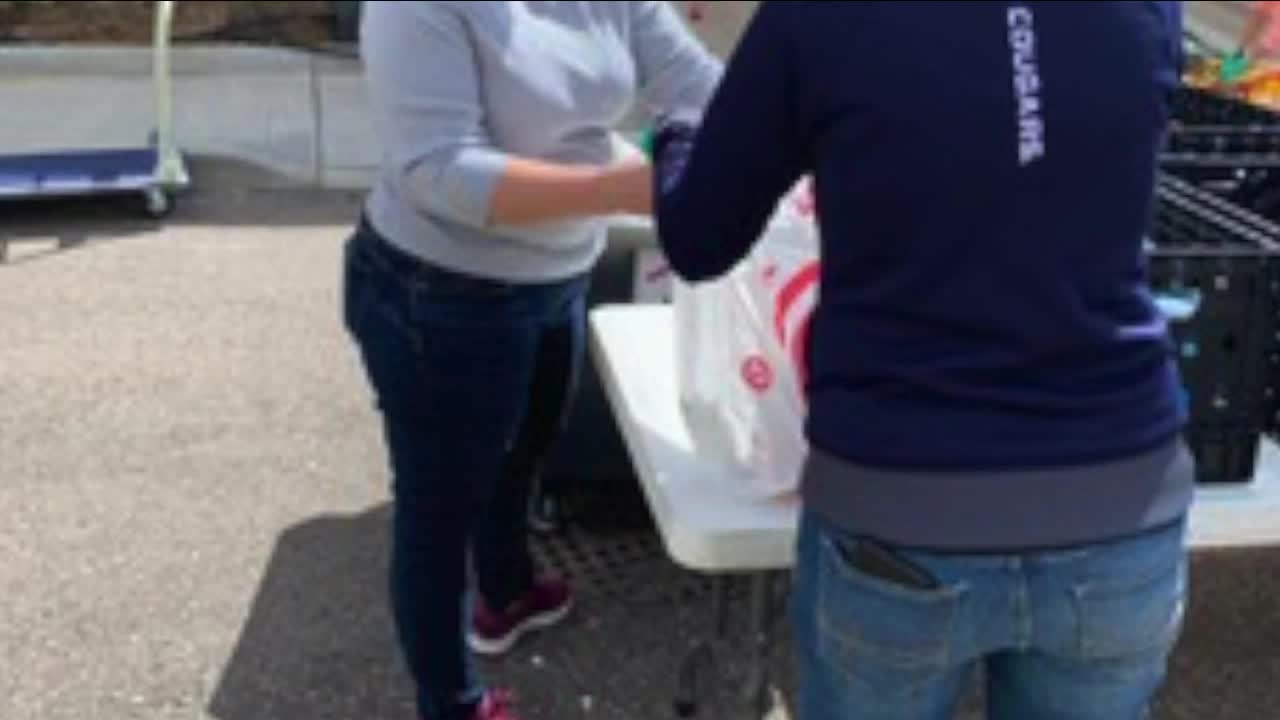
point(628, 567)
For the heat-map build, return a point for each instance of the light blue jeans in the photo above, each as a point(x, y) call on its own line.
point(1079, 634)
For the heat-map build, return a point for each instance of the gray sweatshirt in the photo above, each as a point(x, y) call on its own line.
point(458, 87)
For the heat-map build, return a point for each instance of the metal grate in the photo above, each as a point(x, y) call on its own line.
point(630, 567)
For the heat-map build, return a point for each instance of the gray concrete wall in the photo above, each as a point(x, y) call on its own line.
point(263, 106)
point(298, 117)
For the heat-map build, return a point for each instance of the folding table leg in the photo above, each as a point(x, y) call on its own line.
point(762, 642)
point(720, 606)
point(697, 664)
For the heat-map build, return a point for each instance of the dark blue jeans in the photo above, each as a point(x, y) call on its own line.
point(473, 378)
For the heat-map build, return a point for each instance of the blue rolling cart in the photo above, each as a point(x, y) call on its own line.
point(156, 171)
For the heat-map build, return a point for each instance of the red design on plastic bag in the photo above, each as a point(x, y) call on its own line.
point(658, 273)
point(758, 373)
point(799, 286)
point(800, 351)
point(805, 279)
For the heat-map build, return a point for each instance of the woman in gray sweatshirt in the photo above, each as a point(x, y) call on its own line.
point(465, 286)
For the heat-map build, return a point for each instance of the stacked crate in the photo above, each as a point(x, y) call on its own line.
point(1192, 107)
point(1217, 230)
point(1224, 261)
point(1228, 146)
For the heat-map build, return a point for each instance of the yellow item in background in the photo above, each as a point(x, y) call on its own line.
point(1260, 85)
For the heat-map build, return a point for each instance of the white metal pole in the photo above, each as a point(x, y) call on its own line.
point(170, 170)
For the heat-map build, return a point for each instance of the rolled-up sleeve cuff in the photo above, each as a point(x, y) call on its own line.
point(462, 189)
point(672, 143)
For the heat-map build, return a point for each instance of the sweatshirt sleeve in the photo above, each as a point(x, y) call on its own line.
point(1175, 24)
point(424, 91)
point(718, 187)
point(676, 74)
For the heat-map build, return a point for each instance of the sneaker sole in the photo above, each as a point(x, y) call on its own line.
point(508, 642)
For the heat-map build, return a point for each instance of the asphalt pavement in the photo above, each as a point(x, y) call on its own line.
point(193, 500)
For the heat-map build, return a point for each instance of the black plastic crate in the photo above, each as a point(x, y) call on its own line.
point(1190, 219)
point(1228, 146)
point(1211, 140)
point(1224, 454)
point(1192, 106)
point(1250, 181)
point(1227, 257)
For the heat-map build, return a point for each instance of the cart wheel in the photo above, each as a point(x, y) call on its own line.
point(159, 202)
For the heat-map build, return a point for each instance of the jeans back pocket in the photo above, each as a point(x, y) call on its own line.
point(1135, 615)
point(880, 633)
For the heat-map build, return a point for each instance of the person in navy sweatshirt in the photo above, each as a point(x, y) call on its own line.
point(998, 476)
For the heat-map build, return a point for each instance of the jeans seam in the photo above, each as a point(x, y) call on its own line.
point(1025, 622)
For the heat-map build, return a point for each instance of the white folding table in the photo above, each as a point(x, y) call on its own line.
point(707, 528)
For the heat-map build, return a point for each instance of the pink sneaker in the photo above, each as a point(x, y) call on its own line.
point(495, 706)
point(495, 633)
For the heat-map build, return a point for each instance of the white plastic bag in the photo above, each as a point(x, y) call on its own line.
point(741, 345)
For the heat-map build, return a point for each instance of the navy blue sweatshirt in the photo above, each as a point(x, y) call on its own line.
point(984, 175)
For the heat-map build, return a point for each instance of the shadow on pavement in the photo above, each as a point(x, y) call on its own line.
point(224, 192)
point(229, 191)
point(36, 229)
point(319, 643)
point(14, 252)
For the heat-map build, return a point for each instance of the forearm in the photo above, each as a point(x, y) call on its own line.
point(534, 191)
